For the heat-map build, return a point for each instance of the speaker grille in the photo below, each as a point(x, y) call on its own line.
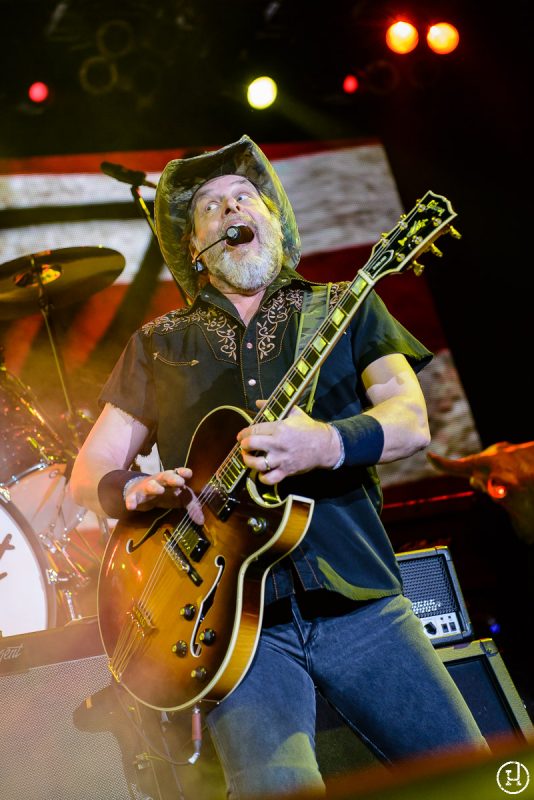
point(426, 583)
point(43, 754)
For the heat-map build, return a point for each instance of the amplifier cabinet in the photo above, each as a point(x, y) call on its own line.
point(480, 673)
point(482, 677)
point(68, 732)
point(431, 583)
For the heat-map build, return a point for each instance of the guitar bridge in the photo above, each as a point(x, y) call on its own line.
point(142, 618)
point(181, 560)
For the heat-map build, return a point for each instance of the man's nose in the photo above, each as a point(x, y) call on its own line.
point(231, 205)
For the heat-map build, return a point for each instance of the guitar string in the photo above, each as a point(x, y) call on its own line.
point(126, 642)
point(209, 490)
point(127, 639)
point(123, 649)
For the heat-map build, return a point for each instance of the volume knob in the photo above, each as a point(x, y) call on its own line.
point(188, 611)
point(207, 636)
point(180, 648)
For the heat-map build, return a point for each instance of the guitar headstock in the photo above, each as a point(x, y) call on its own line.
point(415, 233)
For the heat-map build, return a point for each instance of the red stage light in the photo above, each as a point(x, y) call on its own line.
point(350, 84)
point(402, 37)
point(38, 92)
point(496, 490)
point(442, 38)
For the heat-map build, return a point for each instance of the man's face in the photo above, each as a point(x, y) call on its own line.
point(233, 200)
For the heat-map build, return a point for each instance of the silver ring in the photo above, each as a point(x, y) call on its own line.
point(267, 465)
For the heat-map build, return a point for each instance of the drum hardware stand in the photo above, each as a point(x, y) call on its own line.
point(61, 581)
point(27, 398)
point(35, 277)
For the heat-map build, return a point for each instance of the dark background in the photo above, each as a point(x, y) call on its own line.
point(455, 124)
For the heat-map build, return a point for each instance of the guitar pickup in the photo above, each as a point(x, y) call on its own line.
point(181, 560)
point(199, 549)
point(220, 501)
point(226, 509)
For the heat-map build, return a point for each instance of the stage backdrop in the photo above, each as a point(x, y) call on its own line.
point(344, 196)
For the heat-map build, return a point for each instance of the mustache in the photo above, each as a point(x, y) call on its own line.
point(237, 220)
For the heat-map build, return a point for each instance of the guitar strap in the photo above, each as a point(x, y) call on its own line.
point(315, 307)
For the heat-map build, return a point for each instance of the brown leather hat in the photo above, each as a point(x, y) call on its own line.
point(180, 180)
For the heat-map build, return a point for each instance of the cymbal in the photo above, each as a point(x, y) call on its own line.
point(60, 277)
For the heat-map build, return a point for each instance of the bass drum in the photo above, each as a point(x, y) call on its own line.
point(27, 599)
point(43, 496)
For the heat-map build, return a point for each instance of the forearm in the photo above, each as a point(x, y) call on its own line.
point(85, 480)
point(405, 427)
point(387, 432)
point(113, 443)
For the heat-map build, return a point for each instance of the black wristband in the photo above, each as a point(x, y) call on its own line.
point(363, 439)
point(110, 490)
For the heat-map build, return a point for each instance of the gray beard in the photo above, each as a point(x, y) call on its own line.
point(252, 272)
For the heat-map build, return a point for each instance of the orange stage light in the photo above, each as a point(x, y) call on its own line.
point(442, 38)
point(402, 37)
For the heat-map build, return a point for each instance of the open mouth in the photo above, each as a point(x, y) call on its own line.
point(239, 234)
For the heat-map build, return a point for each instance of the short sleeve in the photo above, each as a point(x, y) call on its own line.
point(130, 385)
point(377, 333)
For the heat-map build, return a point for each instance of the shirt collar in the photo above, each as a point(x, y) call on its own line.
point(286, 277)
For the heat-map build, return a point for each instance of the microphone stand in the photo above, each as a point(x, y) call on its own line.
point(142, 206)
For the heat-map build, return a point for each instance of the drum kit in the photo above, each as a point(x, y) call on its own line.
point(48, 565)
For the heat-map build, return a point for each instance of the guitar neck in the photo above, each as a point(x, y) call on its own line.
point(298, 377)
point(395, 252)
point(302, 372)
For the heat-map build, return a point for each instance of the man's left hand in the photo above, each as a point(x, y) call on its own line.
point(295, 444)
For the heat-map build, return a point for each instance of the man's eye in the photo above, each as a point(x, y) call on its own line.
point(243, 196)
point(211, 206)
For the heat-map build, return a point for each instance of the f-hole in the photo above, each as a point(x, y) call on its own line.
point(196, 648)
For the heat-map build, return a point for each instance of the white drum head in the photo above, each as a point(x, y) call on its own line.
point(27, 601)
point(44, 498)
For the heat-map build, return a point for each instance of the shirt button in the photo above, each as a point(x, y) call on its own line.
point(251, 382)
point(249, 345)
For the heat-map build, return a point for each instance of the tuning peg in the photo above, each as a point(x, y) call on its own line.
point(435, 251)
point(454, 233)
point(417, 268)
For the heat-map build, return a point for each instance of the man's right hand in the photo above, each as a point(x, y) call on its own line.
point(166, 489)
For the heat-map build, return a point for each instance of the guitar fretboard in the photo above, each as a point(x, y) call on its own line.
point(295, 381)
point(395, 251)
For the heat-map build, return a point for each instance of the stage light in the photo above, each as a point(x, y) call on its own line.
point(442, 38)
point(38, 92)
point(261, 93)
point(402, 37)
point(350, 84)
point(496, 489)
point(493, 625)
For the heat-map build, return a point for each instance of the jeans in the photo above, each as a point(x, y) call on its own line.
point(376, 667)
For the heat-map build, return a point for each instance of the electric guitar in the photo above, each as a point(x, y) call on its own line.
point(180, 605)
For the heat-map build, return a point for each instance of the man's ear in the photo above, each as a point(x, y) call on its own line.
point(193, 249)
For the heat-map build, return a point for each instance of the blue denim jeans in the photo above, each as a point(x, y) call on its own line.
point(376, 667)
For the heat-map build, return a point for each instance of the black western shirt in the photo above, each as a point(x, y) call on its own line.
point(184, 364)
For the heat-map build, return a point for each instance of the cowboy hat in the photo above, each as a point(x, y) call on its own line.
point(183, 176)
